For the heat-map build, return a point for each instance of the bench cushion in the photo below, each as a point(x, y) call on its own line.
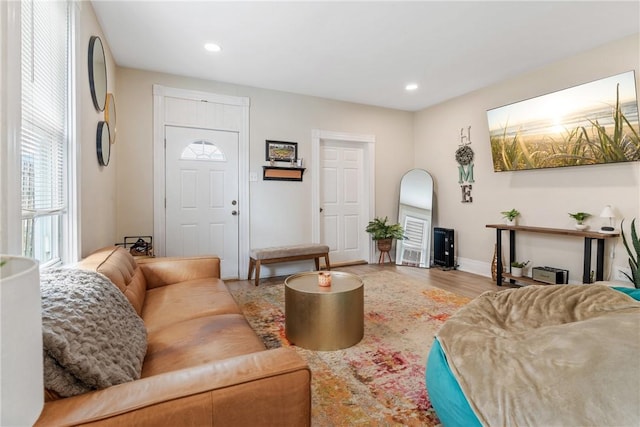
point(288, 251)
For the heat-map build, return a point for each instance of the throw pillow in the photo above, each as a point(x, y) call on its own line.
point(92, 336)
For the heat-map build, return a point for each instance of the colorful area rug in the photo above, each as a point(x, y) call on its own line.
point(381, 380)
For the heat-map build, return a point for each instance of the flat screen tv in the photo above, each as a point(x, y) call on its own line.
point(592, 123)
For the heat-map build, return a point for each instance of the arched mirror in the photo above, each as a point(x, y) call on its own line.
point(103, 145)
point(97, 73)
point(414, 214)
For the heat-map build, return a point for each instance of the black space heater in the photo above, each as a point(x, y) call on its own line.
point(443, 245)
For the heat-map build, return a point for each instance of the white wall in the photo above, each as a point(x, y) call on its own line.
point(97, 184)
point(280, 212)
point(544, 197)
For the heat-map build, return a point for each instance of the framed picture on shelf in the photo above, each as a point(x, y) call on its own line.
point(280, 151)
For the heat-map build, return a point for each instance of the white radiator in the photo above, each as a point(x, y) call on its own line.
point(413, 250)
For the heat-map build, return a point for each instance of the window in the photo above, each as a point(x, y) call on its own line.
point(203, 150)
point(45, 127)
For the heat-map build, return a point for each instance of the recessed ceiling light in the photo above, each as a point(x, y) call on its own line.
point(212, 47)
point(411, 86)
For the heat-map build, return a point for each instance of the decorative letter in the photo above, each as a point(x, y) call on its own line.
point(466, 193)
point(465, 175)
point(464, 157)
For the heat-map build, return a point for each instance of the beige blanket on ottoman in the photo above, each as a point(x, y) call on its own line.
point(565, 355)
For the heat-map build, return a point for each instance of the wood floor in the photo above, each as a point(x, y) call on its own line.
point(458, 282)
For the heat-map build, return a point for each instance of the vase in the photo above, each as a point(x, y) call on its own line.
point(516, 271)
point(511, 222)
point(494, 263)
point(581, 227)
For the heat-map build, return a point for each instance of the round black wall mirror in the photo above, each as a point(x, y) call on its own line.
point(103, 144)
point(97, 73)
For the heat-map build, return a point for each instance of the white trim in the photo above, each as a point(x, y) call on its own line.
point(159, 215)
point(244, 244)
point(317, 136)
point(196, 95)
point(72, 224)
point(480, 268)
point(4, 107)
point(10, 87)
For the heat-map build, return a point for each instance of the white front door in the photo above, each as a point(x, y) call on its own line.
point(202, 195)
point(343, 201)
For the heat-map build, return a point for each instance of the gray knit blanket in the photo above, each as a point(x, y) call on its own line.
point(92, 336)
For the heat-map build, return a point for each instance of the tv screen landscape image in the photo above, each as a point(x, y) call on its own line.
point(592, 123)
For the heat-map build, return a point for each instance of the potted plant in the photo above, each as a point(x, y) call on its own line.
point(510, 216)
point(384, 233)
point(517, 267)
point(634, 253)
point(580, 217)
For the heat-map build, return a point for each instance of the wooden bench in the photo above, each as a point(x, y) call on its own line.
point(285, 254)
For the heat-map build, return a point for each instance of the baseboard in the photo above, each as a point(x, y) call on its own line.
point(480, 268)
point(348, 263)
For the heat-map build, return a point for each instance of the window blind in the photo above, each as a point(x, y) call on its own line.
point(45, 100)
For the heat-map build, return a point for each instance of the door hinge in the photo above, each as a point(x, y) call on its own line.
point(165, 203)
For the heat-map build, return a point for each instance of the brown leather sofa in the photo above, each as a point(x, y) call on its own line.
point(204, 365)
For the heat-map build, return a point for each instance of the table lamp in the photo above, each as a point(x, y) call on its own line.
point(21, 369)
point(607, 212)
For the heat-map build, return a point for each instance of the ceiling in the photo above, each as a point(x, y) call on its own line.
point(363, 52)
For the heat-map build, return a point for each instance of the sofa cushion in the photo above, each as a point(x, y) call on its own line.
point(197, 341)
point(190, 299)
point(118, 265)
point(92, 336)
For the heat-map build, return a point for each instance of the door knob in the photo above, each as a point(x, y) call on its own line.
point(233, 203)
point(234, 213)
point(321, 209)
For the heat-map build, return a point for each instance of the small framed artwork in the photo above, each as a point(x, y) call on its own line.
point(280, 151)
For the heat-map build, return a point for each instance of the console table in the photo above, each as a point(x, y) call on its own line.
point(589, 237)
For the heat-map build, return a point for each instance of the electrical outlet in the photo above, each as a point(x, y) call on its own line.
point(620, 273)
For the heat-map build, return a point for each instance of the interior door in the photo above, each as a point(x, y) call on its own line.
point(343, 199)
point(201, 195)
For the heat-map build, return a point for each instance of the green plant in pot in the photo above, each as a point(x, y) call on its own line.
point(384, 233)
point(510, 216)
point(580, 217)
point(634, 253)
point(517, 267)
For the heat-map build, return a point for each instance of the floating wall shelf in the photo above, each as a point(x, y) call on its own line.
point(277, 173)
